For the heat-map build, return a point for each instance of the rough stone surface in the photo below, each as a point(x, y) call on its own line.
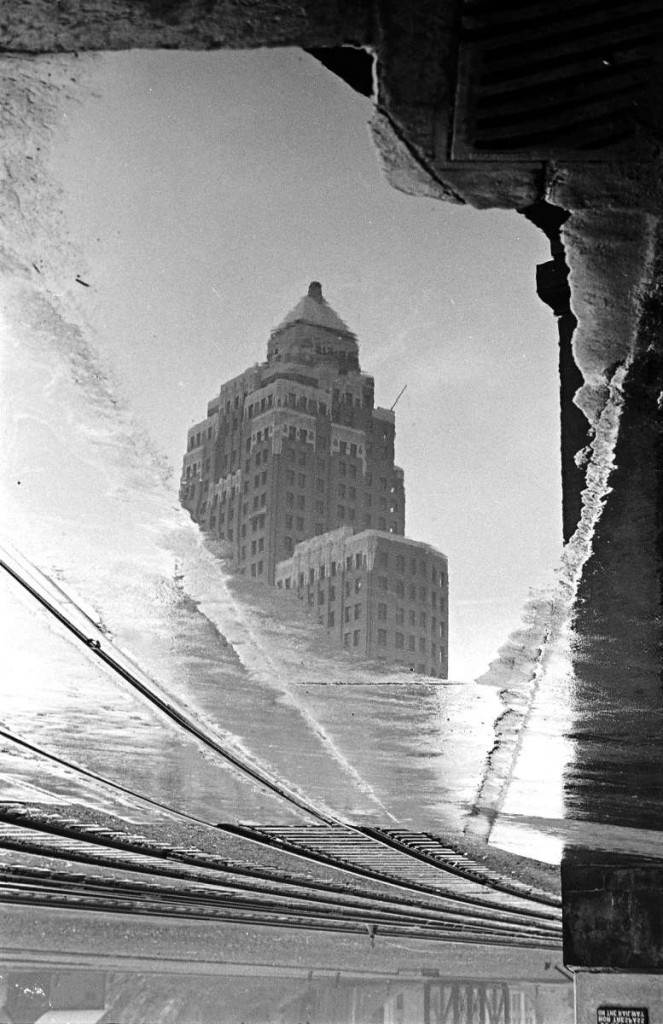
point(39, 26)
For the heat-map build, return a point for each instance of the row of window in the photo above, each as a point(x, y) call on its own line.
point(436, 653)
point(310, 405)
point(291, 455)
point(196, 440)
point(413, 593)
point(421, 566)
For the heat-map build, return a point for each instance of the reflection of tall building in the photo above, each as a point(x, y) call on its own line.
point(293, 449)
point(379, 594)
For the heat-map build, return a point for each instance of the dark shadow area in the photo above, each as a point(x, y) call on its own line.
point(552, 287)
point(354, 64)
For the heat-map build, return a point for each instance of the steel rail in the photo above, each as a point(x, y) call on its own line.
point(116, 905)
point(341, 903)
point(155, 895)
point(167, 708)
point(448, 907)
point(282, 792)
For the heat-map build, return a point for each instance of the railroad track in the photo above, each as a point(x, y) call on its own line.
point(138, 863)
point(379, 871)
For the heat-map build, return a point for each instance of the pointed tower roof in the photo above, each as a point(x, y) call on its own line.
point(314, 309)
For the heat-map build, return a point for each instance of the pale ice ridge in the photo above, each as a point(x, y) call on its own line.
point(536, 657)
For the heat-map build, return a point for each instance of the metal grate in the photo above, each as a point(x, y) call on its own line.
point(565, 78)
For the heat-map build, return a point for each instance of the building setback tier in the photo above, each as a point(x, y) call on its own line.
point(382, 596)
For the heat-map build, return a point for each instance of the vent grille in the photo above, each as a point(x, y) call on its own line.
point(562, 78)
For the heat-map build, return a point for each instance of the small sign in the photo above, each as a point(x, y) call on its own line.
point(622, 1015)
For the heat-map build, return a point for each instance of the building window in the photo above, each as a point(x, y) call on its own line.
point(382, 612)
point(287, 583)
point(410, 643)
point(288, 522)
point(300, 524)
point(342, 468)
point(355, 638)
point(311, 575)
point(433, 652)
point(400, 589)
point(341, 490)
point(254, 547)
point(253, 569)
point(343, 447)
point(382, 637)
point(346, 613)
point(412, 592)
point(287, 543)
point(347, 588)
point(340, 511)
point(422, 619)
point(333, 568)
point(319, 485)
point(300, 501)
point(346, 639)
point(301, 458)
point(348, 563)
point(422, 645)
point(398, 641)
point(357, 611)
point(289, 498)
point(301, 480)
point(383, 483)
point(290, 477)
point(358, 561)
point(260, 568)
point(318, 529)
point(332, 593)
point(261, 544)
point(422, 594)
point(382, 524)
point(352, 493)
point(382, 582)
point(357, 586)
point(320, 507)
point(321, 597)
point(330, 618)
